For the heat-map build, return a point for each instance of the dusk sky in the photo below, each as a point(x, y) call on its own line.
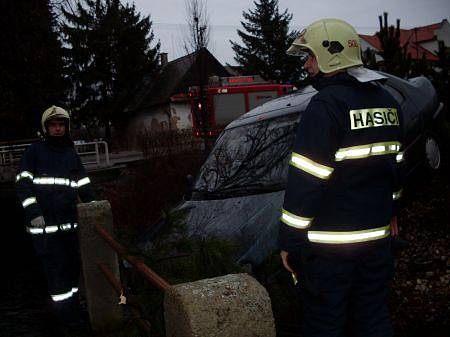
point(169, 17)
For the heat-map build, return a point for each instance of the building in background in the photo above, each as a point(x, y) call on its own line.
point(418, 41)
point(163, 102)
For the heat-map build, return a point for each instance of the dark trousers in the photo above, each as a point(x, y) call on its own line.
point(59, 256)
point(346, 296)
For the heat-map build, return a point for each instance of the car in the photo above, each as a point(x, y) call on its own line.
point(238, 193)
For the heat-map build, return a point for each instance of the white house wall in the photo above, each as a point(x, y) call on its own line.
point(153, 120)
point(432, 46)
point(157, 119)
point(181, 115)
point(443, 33)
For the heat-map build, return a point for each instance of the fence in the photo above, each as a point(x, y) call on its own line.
point(234, 305)
point(91, 153)
point(143, 269)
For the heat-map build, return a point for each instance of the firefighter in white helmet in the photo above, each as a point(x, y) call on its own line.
point(344, 184)
point(50, 179)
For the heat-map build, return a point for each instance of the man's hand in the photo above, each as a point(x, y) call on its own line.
point(38, 222)
point(394, 226)
point(284, 258)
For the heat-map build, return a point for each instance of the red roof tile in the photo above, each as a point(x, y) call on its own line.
point(412, 39)
point(371, 39)
point(416, 51)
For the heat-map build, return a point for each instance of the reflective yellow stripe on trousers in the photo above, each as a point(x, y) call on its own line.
point(349, 237)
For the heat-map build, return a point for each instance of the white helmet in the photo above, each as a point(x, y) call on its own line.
point(54, 112)
point(335, 44)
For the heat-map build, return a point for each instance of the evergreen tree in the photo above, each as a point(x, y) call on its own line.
point(265, 39)
point(396, 59)
point(31, 66)
point(109, 52)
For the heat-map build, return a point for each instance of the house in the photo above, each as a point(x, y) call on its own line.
point(418, 41)
point(162, 103)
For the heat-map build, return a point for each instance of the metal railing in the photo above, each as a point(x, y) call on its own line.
point(10, 154)
point(88, 150)
point(145, 271)
point(91, 153)
point(135, 307)
point(140, 266)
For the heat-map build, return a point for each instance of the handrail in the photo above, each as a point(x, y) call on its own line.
point(96, 151)
point(10, 154)
point(21, 141)
point(140, 266)
point(134, 307)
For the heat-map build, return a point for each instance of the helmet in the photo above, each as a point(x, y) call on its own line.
point(54, 112)
point(334, 43)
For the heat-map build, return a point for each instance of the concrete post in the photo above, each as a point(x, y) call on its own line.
point(227, 306)
point(104, 310)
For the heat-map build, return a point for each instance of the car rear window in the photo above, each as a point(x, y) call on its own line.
point(253, 155)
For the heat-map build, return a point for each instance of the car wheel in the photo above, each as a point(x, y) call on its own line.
point(432, 153)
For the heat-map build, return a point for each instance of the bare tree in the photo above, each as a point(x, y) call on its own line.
point(197, 20)
point(195, 43)
point(250, 156)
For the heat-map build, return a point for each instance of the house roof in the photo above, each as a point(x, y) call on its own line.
point(175, 78)
point(416, 51)
point(411, 38)
point(372, 40)
point(235, 70)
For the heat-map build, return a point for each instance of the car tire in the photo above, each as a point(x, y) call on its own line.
point(432, 150)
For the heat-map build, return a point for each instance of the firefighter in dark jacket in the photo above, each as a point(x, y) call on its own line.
point(50, 179)
point(344, 182)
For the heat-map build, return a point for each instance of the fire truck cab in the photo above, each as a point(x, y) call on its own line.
point(226, 98)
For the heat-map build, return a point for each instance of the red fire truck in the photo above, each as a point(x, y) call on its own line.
point(228, 98)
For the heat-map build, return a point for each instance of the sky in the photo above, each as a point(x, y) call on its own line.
point(169, 18)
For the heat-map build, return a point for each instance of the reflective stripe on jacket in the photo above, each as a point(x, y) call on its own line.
point(50, 178)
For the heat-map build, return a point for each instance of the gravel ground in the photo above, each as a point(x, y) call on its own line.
point(420, 291)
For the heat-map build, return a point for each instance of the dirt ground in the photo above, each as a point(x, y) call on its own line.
point(419, 298)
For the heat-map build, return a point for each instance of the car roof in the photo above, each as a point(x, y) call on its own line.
point(280, 106)
point(298, 101)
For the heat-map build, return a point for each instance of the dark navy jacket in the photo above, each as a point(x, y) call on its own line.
point(344, 175)
point(50, 178)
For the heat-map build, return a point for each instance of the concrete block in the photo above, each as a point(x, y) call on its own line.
point(104, 311)
point(234, 305)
